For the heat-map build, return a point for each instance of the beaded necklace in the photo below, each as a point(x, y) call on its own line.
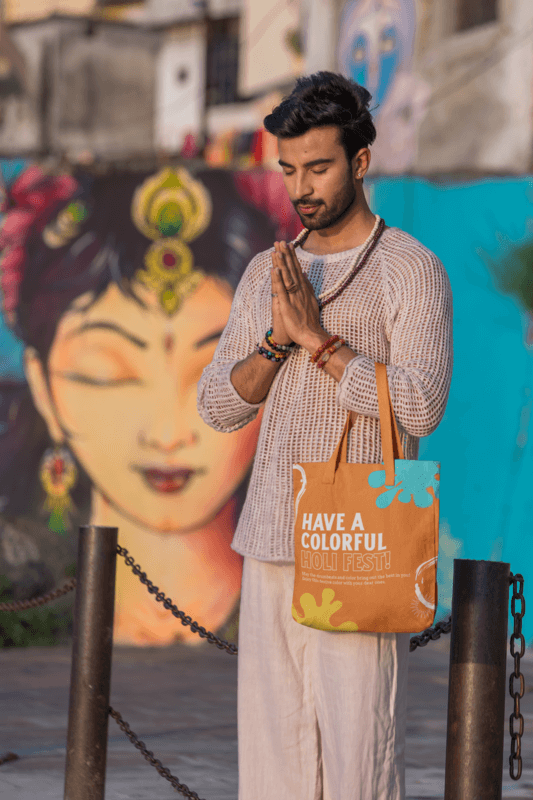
point(359, 262)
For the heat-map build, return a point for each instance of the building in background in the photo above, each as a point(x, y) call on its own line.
point(452, 81)
point(89, 90)
point(123, 79)
point(119, 80)
point(24, 10)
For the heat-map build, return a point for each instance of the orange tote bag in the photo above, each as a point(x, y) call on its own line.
point(366, 537)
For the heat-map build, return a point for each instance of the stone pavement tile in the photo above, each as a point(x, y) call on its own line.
point(423, 784)
point(182, 703)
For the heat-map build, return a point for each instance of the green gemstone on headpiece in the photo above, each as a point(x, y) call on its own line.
point(170, 220)
point(78, 211)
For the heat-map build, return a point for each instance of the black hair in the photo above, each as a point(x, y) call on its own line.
point(107, 249)
point(325, 98)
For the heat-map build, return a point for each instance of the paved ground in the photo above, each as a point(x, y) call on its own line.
point(182, 704)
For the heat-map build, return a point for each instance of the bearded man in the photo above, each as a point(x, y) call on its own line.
point(321, 714)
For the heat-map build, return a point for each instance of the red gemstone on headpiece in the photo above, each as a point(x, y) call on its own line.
point(169, 259)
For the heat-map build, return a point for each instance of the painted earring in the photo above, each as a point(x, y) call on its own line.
point(58, 476)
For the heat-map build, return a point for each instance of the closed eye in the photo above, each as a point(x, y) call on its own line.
point(87, 380)
point(314, 171)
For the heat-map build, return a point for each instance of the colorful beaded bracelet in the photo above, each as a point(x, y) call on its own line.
point(279, 348)
point(323, 347)
point(269, 354)
point(329, 352)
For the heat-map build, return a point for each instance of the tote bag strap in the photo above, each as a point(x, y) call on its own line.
point(339, 454)
point(390, 437)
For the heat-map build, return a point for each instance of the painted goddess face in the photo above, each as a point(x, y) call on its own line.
point(122, 390)
point(376, 41)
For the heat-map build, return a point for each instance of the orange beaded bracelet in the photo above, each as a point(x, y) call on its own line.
point(329, 352)
point(323, 347)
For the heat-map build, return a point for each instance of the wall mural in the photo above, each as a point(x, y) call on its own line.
point(115, 291)
point(375, 49)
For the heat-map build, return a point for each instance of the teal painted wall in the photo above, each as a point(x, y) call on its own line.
point(483, 446)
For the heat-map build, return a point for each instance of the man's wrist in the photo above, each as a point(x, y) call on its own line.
point(312, 340)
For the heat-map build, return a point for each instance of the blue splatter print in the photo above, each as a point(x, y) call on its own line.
point(414, 479)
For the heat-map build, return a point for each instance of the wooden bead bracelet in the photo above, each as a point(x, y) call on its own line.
point(329, 352)
point(323, 347)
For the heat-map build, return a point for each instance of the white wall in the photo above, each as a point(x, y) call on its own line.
point(179, 103)
point(321, 35)
point(265, 59)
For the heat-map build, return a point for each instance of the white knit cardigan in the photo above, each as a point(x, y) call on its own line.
point(398, 311)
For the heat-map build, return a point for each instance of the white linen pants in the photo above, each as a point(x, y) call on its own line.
point(321, 715)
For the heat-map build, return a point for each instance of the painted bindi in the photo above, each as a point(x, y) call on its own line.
point(168, 343)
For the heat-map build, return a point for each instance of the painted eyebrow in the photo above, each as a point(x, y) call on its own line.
point(109, 326)
point(314, 163)
point(207, 339)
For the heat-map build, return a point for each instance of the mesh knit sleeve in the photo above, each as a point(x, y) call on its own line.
point(419, 312)
point(219, 404)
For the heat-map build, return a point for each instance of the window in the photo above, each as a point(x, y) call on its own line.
point(222, 61)
point(471, 13)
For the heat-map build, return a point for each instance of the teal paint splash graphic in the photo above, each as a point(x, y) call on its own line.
point(414, 479)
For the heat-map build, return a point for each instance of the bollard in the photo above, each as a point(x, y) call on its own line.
point(91, 664)
point(476, 694)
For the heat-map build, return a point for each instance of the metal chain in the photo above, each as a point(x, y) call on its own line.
point(23, 605)
point(515, 759)
point(149, 756)
point(222, 644)
point(421, 640)
point(431, 634)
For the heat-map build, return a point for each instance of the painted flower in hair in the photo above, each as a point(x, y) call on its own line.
point(30, 202)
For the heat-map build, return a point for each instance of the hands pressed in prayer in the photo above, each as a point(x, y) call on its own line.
point(295, 309)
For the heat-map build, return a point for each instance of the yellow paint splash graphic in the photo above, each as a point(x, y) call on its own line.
point(316, 616)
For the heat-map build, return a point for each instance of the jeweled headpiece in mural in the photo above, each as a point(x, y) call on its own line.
point(172, 208)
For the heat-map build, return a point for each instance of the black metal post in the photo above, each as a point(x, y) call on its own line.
point(476, 694)
point(91, 664)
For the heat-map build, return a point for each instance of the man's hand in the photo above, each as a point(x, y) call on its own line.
point(279, 332)
point(295, 300)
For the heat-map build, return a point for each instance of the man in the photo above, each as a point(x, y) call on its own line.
point(322, 714)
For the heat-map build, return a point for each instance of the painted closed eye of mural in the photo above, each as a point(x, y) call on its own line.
point(119, 287)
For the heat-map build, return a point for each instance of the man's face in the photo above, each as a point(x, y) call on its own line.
point(318, 176)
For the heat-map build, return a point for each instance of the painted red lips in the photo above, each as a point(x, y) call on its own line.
point(169, 480)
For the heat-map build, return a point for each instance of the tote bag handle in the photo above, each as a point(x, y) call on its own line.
point(390, 437)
